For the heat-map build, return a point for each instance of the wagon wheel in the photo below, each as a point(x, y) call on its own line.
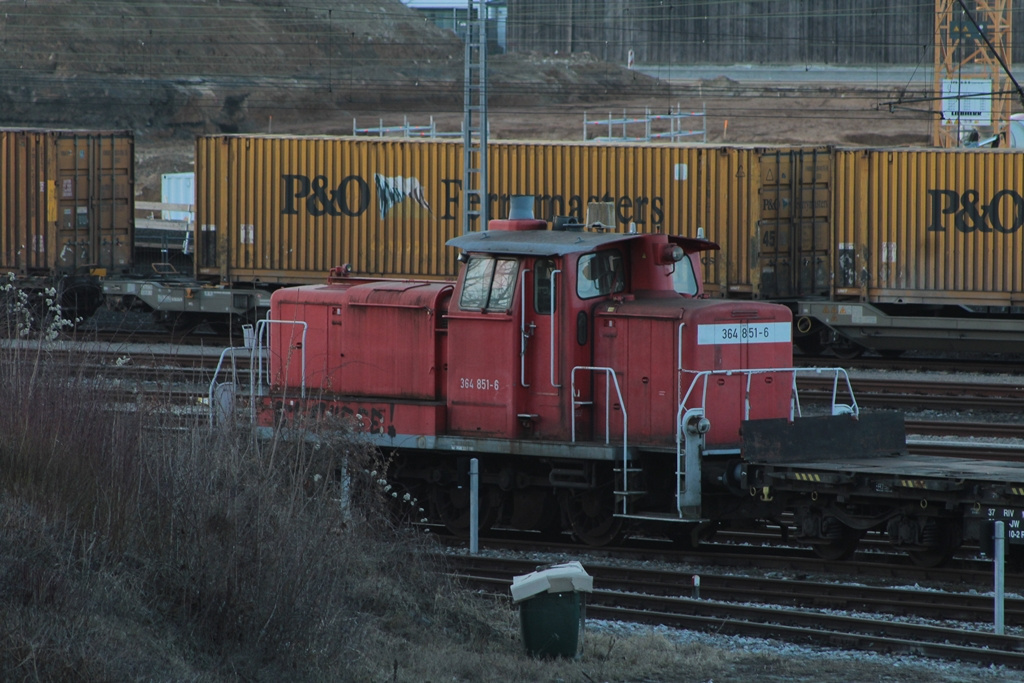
point(846, 349)
point(178, 322)
point(451, 506)
point(944, 542)
point(933, 557)
point(220, 326)
point(590, 515)
point(812, 343)
point(841, 545)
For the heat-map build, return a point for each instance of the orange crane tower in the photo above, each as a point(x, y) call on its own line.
point(972, 84)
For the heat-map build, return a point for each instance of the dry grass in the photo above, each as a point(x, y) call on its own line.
point(134, 553)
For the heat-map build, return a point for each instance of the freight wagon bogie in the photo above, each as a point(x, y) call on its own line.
point(52, 303)
point(182, 303)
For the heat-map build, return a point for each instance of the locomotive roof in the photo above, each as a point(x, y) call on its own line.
point(555, 242)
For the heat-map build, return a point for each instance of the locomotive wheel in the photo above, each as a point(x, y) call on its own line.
point(537, 510)
point(590, 515)
point(690, 536)
point(842, 547)
point(451, 506)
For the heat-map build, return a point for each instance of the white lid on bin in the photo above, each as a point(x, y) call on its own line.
point(558, 578)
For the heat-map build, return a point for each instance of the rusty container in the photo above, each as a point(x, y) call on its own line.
point(792, 233)
point(285, 209)
point(928, 226)
point(66, 202)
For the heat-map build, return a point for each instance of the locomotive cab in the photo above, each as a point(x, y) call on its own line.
point(524, 328)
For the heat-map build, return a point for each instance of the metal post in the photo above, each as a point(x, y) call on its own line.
point(1000, 567)
point(474, 506)
point(346, 495)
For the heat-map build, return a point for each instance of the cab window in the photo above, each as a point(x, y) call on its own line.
point(684, 280)
point(542, 286)
point(490, 283)
point(600, 274)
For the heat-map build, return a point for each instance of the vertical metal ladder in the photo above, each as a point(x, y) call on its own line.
point(474, 125)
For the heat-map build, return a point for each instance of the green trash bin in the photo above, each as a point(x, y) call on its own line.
point(552, 611)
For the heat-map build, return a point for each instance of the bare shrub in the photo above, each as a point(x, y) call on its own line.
point(61, 450)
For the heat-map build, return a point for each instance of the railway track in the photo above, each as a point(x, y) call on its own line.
point(183, 375)
point(923, 394)
point(874, 618)
point(1004, 365)
point(951, 394)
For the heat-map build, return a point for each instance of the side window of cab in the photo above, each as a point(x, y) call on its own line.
point(684, 280)
point(489, 284)
point(600, 274)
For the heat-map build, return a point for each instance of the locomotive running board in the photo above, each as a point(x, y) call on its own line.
point(838, 437)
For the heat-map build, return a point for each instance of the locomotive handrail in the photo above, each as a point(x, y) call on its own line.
point(795, 410)
point(679, 363)
point(554, 327)
point(212, 401)
point(263, 337)
point(608, 373)
point(522, 330)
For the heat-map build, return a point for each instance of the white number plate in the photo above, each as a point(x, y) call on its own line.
point(744, 333)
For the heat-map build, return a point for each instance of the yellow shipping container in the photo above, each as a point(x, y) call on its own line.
point(66, 201)
point(284, 209)
point(929, 226)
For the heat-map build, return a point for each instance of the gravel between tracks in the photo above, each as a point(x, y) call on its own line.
point(780, 661)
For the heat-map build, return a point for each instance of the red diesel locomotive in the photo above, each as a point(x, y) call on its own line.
point(600, 391)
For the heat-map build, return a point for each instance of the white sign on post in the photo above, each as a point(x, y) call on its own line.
point(968, 100)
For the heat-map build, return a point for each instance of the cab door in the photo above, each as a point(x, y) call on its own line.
point(483, 336)
point(539, 405)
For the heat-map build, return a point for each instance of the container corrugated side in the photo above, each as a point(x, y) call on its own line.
point(281, 209)
point(96, 201)
point(793, 235)
point(27, 207)
point(66, 201)
point(930, 226)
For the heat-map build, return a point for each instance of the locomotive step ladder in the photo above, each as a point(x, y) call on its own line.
point(623, 494)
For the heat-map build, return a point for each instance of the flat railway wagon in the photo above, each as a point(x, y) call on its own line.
point(601, 392)
point(924, 253)
point(66, 206)
point(881, 249)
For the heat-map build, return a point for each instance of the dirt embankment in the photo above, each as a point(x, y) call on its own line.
point(170, 72)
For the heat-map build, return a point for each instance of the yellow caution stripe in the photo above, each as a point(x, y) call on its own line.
point(806, 476)
point(913, 483)
point(1017, 490)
